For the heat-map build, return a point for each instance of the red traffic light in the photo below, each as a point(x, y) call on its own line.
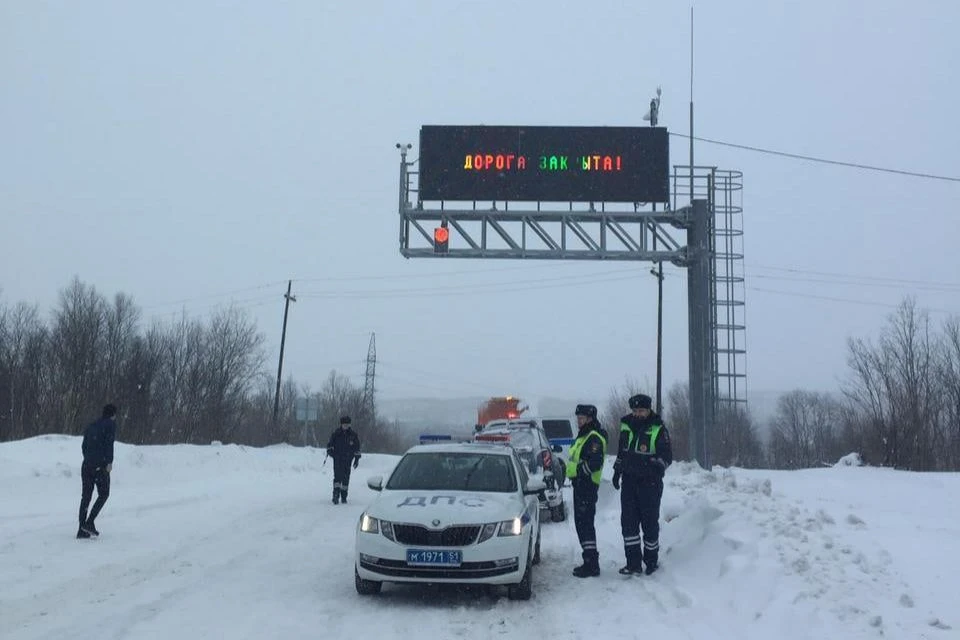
point(441, 239)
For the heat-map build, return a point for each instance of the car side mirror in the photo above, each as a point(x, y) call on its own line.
point(534, 487)
point(375, 483)
point(556, 448)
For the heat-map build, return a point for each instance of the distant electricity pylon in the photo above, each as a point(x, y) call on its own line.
point(370, 379)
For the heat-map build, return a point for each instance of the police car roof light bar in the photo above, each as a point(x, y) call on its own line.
point(426, 438)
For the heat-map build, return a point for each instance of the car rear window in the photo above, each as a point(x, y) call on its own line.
point(558, 429)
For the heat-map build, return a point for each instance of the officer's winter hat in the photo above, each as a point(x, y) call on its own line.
point(640, 401)
point(344, 419)
point(587, 410)
point(109, 411)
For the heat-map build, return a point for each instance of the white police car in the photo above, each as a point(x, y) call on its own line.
point(452, 513)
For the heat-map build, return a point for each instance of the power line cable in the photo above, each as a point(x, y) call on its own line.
point(799, 156)
point(858, 277)
point(853, 283)
point(888, 305)
point(214, 295)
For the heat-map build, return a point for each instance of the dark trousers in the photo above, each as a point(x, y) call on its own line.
point(640, 510)
point(584, 511)
point(91, 476)
point(341, 478)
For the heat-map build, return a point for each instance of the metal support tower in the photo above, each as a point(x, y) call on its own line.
point(723, 190)
point(699, 286)
point(369, 380)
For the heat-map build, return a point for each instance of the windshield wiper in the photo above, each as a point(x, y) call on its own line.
point(466, 480)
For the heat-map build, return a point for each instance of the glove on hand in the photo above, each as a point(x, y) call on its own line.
point(616, 480)
point(329, 451)
point(659, 462)
point(109, 467)
point(356, 462)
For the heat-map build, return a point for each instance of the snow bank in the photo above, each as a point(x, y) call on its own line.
point(850, 460)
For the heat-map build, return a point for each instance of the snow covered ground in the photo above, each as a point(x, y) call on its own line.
point(235, 542)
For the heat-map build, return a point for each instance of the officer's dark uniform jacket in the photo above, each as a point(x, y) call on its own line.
point(344, 444)
point(644, 451)
point(343, 447)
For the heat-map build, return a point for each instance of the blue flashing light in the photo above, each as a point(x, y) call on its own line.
point(426, 438)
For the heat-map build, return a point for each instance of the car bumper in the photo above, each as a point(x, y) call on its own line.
point(494, 561)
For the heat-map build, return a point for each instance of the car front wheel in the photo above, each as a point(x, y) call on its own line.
point(536, 549)
point(559, 512)
point(523, 590)
point(366, 587)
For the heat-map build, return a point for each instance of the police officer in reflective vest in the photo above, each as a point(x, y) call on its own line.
point(643, 455)
point(586, 462)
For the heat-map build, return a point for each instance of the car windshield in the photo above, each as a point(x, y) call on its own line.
point(454, 471)
point(558, 429)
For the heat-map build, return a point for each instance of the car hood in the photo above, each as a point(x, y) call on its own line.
point(442, 508)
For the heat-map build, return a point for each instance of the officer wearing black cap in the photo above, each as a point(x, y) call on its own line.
point(583, 468)
point(643, 456)
point(343, 446)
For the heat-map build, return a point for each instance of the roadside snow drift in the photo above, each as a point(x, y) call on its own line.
point(235, 542)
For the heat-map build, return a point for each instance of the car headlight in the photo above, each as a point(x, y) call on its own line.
point(511, 527)
point(487, 532)
point(369, 524)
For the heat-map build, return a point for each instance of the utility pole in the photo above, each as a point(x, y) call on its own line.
point(283, 338)
point(658, 274)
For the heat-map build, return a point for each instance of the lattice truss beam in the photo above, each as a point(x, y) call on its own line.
point(548, 235)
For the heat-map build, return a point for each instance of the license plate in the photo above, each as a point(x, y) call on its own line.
point(427, 557)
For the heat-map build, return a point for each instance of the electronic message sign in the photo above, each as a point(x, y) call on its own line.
point(575, 164)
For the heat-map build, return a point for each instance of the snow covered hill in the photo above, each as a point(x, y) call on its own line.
point(235, 542)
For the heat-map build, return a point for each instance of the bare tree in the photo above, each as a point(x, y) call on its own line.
point(678, 403)
point(804, 430)
point(732, 438)
point(949, 380)
point(22, 344)
point(894, 384)
point(77, 342)
point(233, 360)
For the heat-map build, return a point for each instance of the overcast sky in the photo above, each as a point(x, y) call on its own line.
point(193, 153)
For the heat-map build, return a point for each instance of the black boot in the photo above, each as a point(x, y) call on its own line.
point(343, 496)
point(651, 555)
point(89, 528)
point(81, 533)
point(634, 566)
point(336, 495)
point(590, 567)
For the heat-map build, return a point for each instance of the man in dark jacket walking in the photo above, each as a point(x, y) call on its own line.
point(343, 447)
point(643, 455)
point(98, 439)
point(587, 454)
